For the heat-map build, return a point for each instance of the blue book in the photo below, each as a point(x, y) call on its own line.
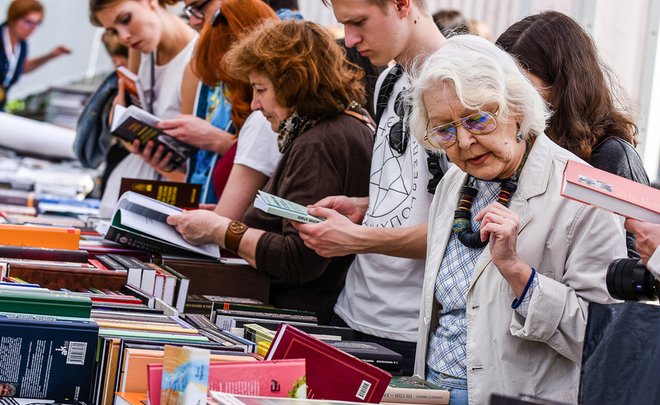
point(47, 357)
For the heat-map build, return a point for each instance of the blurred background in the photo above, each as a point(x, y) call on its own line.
point(626, 34)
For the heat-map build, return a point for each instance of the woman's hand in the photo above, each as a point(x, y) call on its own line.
point(154, 156)
point(198, 133)
point(200, 226)
point(500, 225)
point(354, 208)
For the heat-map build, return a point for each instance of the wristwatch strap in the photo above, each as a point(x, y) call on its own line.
point(234, 234)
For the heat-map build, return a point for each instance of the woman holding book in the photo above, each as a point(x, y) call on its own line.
point(165, 44)
point(511, 266)
point(23, 18)
point(561, 60)
point(309, 94)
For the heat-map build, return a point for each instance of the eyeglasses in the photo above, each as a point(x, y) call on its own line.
point(195, 10)
point(31, 23)
point(445, 135)
point(218, 17)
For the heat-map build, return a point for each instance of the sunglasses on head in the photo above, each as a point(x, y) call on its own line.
point(195, 10)
point(218, 18)
point(445, 135)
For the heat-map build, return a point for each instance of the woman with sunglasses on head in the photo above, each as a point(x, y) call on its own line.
point(307, 91)
point(510, 264)
point(561, 59)
point(23, 17)
point(164, 44)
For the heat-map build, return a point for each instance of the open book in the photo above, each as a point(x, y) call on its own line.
point(141, 222)
point(602, 189)
point(284, 208)
point(132, 85)
point(134, 123)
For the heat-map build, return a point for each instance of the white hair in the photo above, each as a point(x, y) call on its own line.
point(481, 73)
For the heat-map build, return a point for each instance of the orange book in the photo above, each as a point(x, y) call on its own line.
point(39, 236)
point(605, 190)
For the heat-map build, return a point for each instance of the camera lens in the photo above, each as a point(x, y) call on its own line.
point(628, 279)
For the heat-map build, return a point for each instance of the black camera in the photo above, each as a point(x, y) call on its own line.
point(628, 279)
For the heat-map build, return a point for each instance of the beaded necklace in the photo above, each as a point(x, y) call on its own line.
point(462, 225)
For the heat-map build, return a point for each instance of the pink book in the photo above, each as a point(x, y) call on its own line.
point(275, 378)
point(606, 190)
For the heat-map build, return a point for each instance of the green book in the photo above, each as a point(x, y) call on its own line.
point(45, 303)
point(284, 208)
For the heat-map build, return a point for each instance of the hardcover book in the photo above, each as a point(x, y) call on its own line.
point(140, 221)
point(625, 197)
point(46, 303)
point(179, 194)
point(47, 357)
point(134, 123)
point(371, 353)
point(281, 207)
point(331, 373)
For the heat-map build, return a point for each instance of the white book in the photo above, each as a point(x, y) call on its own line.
point(140, 221)
point(284, 208)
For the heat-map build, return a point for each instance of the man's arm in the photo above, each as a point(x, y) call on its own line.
point(339, 236)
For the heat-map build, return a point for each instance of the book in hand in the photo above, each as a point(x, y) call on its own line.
point(133, 85)
point(134, 123)
point(141, 222)
point(179, 194)
point(599, 188)
point(281, 207)
point(331, 373)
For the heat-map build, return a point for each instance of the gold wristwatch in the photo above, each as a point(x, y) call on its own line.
point(234, 234)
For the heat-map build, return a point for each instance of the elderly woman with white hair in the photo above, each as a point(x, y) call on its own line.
point(511, 265)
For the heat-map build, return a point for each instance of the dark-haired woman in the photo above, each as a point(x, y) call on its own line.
point(311, 97)
point(561, 60)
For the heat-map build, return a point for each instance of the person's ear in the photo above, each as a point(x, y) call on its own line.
point(403, 7)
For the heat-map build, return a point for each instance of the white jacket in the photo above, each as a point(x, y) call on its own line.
point(569, 244)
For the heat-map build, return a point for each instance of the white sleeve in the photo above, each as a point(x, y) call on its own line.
point(257, 145)
point(654, 263)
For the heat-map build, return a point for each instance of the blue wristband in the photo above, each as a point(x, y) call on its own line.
point(516, 302)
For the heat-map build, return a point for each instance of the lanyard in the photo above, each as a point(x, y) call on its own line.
point(12, 57)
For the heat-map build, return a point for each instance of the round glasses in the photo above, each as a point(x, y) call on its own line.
point(445, 135)
point(196, 10)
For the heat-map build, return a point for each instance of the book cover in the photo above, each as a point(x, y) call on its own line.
point(414, 390)
point(275, 205)
point(39, 236)
point(372, 353)
point(625, 197)
point(71, 278)
point(140, 221)
point(276, 378)
point(134, 123)
point(47, 357)
point(40, 303)
point(179, 194)
point(36, 253)
point(331, 373)
point(185, 376)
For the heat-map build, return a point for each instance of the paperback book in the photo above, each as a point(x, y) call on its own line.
point(281, 207)
point(134, 123)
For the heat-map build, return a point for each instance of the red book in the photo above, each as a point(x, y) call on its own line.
point(331, 373)
point(599, 188)
point(278, 378)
